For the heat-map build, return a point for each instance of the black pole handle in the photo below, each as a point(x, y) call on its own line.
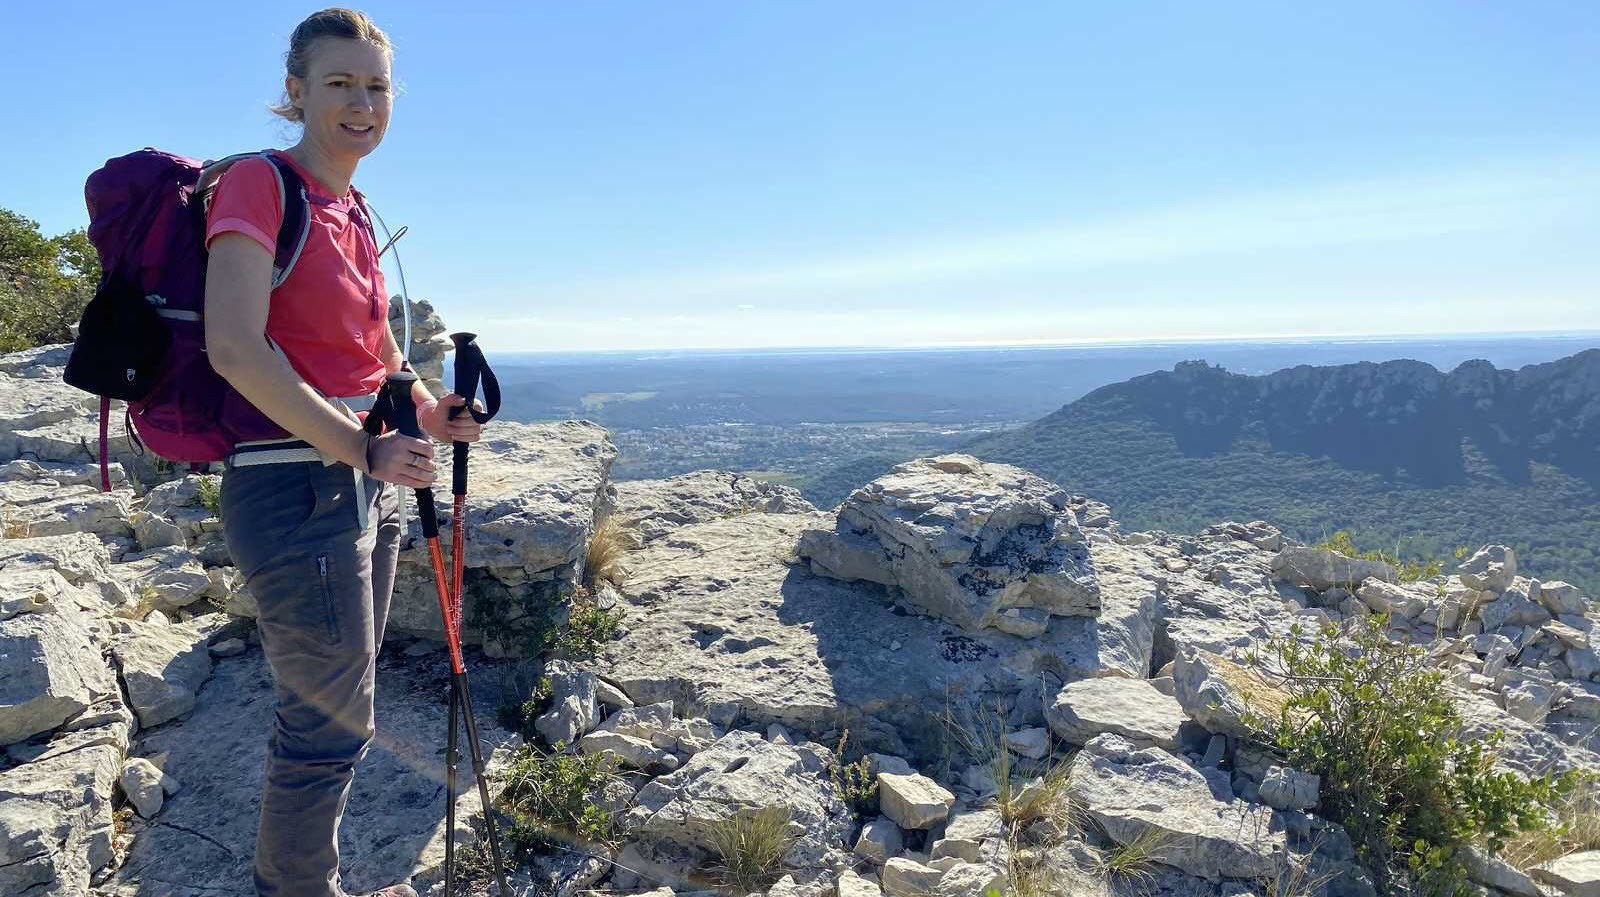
point(470, 369)
point(402, 415)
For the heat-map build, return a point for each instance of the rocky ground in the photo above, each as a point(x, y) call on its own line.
point(1032, 691)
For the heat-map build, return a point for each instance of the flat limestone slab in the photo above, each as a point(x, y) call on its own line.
point(203, 841)
point(726, 622)
point(1577, 875)
point(1132, 708)
point(1149, 793)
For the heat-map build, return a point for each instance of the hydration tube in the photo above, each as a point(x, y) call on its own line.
point(405, 298)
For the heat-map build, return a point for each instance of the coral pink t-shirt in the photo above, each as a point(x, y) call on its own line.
point(328, 317)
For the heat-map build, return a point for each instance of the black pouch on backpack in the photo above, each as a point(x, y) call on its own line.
point(121, 343)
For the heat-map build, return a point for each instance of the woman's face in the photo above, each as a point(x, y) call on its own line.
point(345, 97)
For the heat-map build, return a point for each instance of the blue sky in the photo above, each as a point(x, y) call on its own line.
point(740, 174)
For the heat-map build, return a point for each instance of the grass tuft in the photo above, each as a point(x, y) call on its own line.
point(750, 848)
point(1135, 860)
point(608, 546)
point(1293, 878)
point(1025, 790)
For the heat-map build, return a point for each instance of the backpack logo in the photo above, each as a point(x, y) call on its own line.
point(131, 373)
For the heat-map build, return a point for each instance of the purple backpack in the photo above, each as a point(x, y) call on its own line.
point(142, 337)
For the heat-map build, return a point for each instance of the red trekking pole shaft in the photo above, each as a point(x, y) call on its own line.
point(403, 414)
point(470, 369)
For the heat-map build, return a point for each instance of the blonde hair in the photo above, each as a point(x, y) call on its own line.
point(332, 22)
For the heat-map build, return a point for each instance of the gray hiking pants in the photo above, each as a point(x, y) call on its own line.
point(322, 585)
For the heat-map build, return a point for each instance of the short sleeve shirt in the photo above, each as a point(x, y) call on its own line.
point(329, 316)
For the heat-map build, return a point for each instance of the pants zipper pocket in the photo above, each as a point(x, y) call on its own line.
point(327, 599)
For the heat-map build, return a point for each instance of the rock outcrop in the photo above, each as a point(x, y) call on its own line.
point(964, 540)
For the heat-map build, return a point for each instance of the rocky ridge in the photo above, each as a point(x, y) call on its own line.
point(948, 599)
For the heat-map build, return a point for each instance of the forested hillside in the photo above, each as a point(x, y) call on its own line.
point(1396, 453)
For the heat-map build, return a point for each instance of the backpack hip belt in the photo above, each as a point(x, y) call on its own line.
point(294, 450)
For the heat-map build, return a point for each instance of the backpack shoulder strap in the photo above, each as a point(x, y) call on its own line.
point(296, 219)
point(366, 216)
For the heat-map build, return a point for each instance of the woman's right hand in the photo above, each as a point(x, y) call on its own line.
point(402, 460)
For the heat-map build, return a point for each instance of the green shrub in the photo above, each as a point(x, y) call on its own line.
point(554, 793)
point(1410, 570)
point(525, 621)
point(522, 694)
point(514, 717)
point(1374, 720)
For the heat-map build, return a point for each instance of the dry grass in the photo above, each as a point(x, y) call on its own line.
point(1046, 798)
point(609, 544)
point(1252, 686)
point(1577, 828)
point(1042, 793)
point(1294, 878)
point(149, 595)
point(750, 847)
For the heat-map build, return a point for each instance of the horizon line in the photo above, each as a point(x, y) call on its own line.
point(1105, 342)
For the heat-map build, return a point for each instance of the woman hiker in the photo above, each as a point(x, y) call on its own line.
point(320, 568)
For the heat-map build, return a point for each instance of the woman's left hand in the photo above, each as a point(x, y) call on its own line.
point(434, 418)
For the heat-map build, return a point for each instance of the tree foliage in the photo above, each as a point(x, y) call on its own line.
point(44, 282)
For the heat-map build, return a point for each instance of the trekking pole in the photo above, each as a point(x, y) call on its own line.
point(402, 412)
point(470, 368)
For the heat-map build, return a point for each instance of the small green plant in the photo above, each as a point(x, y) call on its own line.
point(1373, 718)
point(854, 781)
point(750, 847)
point(1410, 570)
point(525, 621)
point(210, 492)
point(588, 627)
point(514, 717)
point(555, 792)
point(522, 696)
